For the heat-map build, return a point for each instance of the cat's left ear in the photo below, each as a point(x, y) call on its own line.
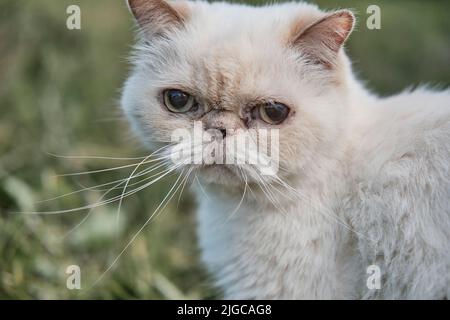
point(322, 40)
point(156, 17)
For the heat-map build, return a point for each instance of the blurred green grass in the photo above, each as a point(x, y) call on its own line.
point(58, 94)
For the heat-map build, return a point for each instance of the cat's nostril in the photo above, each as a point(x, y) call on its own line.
point(219, 131)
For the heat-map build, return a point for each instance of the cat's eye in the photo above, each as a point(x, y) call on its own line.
point(178, 101)
point(273, 112)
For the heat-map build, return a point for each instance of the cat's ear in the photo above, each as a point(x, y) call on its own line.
point(156, 17)
point(322, 40)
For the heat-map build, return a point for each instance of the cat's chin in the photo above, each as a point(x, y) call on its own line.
point(220, 174)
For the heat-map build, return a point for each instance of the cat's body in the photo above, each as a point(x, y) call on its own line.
point(365, 180)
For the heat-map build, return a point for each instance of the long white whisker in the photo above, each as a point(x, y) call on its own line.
point(110, 169)
point(90, 211)
point(240, 202)
point(184, 185)
point(161, 206)
point(201, 187)
point(92, 157)
point(125, 188)
point(166, 172)
point(152, 168)
point(164, 157)
point(95, 188)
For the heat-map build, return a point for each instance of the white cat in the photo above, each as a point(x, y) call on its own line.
point(363, 180)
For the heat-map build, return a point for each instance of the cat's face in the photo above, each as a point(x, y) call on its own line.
point(239, 69)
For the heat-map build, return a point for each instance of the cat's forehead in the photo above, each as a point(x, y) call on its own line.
point(229, 54)
point(230, 57)
point(224, 21)
point(227, 75)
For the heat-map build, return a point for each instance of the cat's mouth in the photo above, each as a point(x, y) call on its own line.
point(220, 173)
point(218, 168)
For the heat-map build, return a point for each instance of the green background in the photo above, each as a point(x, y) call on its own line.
point(59, 92)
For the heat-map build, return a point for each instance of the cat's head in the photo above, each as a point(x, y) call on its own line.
point(235, 69)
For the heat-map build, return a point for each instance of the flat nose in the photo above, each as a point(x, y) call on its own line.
point(217, 131)
point(223, 132)
point(221, 121)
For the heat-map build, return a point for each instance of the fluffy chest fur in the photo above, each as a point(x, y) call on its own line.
point(263, 253)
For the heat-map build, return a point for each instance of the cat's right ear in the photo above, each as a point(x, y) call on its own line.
point(157, 17)
point(321, 41)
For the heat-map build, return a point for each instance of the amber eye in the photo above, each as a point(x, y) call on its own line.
point(178, 101)
point(273, 112)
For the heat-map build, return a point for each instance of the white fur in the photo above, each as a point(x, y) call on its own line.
point(372, 175)
point(392, 187)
